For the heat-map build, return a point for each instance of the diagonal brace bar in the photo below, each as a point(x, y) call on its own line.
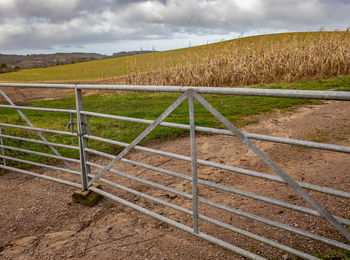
point(31, 125)
point(139, 138)
point(323, 212)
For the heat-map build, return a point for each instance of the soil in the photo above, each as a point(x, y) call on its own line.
point(22, 95)
point(38, 219)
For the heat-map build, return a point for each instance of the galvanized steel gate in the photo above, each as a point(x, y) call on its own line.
point(190, 93)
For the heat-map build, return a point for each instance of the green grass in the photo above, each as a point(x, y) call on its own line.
point(334, 254)
point(339, 84)
point(239, 110)
point(119, 67)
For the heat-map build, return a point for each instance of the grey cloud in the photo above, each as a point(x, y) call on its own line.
point(42, 24)
point(332, 2)
point(227, 16)
point(58, 10)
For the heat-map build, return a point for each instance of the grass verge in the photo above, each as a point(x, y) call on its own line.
point(239, 110)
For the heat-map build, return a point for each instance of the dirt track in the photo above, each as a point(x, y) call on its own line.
point(22, 95)
point(39, 221)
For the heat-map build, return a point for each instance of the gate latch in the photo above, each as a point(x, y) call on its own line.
point(71, 123)
point(85, 123)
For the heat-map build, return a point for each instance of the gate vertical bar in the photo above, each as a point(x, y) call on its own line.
point(83, 141)
point(2, 149)
point(190, 94)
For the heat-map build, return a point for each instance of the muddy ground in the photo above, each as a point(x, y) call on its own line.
point(39, 221)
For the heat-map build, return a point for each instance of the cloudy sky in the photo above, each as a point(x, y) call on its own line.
point(107, 26)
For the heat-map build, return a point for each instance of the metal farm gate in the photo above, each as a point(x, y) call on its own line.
point(87, 178)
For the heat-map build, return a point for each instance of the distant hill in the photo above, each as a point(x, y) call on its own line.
point(47, 60)
point(12, 62)
point(129, 53)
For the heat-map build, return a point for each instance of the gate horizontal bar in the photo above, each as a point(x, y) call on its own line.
point(140, 137)
point(76, 185)
point(25, 118)
point(132, 177)
point(322, 146)
point(171, 222)
point(230, 209)
point(258, 238)
point(39, 153)
point(213, 221)
point(39, 164)
point(224, 188)
point(286, 93)
point(245, 137)
point(39, 129)
point(277, 224)
point(275, 139)
point(277, 169)
point(229, 168)
point(39, 142)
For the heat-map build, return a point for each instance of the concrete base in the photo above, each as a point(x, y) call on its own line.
point(88, 197)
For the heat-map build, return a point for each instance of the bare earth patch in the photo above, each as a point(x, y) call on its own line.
point(39, 221)
point(23, 95)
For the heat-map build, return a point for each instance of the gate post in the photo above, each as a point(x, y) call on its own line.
point(190, 94)
point(2, 149)
point(83, 141)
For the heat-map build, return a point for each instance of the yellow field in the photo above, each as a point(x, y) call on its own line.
point(257, 59)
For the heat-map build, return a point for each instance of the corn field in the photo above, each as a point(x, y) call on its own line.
point(239, 63)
